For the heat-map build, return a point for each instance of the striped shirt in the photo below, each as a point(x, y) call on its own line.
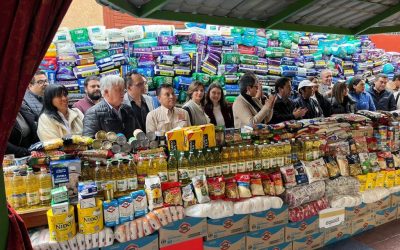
point(163, 119)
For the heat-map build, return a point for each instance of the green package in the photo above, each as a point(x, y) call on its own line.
point(79, 35)
point(248, 59)
point(275, 52)
point(230, 58)
point(100, 54)
point(218, 79)
point(201, 77)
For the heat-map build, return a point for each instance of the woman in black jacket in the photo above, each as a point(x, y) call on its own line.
point(340, 101)
point(217, 109)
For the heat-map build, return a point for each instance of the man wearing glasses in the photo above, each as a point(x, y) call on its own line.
point(135, 97)
point(33, 98)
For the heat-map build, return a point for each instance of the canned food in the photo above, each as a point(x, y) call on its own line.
point(116, 148)
point(135, 144)
point(153, 144)
point(111, 136)
point(101, 135)
point(151, 136)
point(139, 134)
point(97, 144)
point(145, 143)
point(106, 145)
point(126, 148)
point(121, 139)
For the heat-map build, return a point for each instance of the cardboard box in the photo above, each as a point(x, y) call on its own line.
point(331, 217)
point(193, 139)
point(395, 199)
point(385, 215)
point(301, 229)
point(312, 241)
point(146, 243)
point(175, 139)
point(182, 230)
point(208, 135)
point(355, 212)
point(337, 233)
point(380, 205)
point(283, 246)
point(233, 242)
point(265, 237)
point(269, 218)
point(218, 228)
point(362, 224)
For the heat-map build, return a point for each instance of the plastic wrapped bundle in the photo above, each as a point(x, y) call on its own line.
point(308, 210)
point(66, 48)
point(373, 195)
point(79, 35)
point(342, 201)
point(97, 33)
point(133, 33)
point(299, 195)
point(341, 186)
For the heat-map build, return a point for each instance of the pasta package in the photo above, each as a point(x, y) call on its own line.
point(256, 185)
point(390, 178)
point(365, 163)
point(201, 189)
point(397, 177)
point(371, 180)
point(216, 188)
point(154, 194)
point(354, 165)
point(343, 165)
point(243, 181)
point(268, 185)
point(171, 193)
point(188, 196)
point(333, 168)
point(231, 189)
point(316, 170)
point(373, 158)
point(276, 178)
point(380, 179)
point(363, 182)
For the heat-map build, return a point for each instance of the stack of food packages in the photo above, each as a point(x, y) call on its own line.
point(310, 165)
point(208, 54)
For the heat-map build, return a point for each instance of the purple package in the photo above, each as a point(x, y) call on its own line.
point(273, 43)
point(183, 59)
point(65, 73)
point(261, 69)
point(276, 62)
point(198, 38)
point(164, 67)
point(160, 50)
point(227, 69)
point(211, 60)
point(214, 49)
point(66, 60)
point(215, 56)
point(166, 40)
point(261, 52)
point(246, 68)
point(116, 45)
point(137, 52)
point(262, 61)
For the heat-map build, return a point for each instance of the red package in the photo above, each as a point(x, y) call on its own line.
point(268, 185)
point(372, 144)
point(216, 188)
point(172, 193)
point(276, 177)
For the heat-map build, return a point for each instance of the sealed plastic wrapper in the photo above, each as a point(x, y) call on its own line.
point(299, 195)
point(371, 181)
point(154, 194)
point(147, 229)
point(231, 189)
point(139, 203)
point(343, 185)
point(153, 221)
point(307, 210)
point(243, 181)
point(361, 144)
point(276, 178)
point(201, 188)
point(172, 193)
point(354, 165)
point(380, 179)
point(373, 159)
point(363, 182)
point(162, 217)
point(365, 163)
point(289, 177)
point(188, 196)
point(333, 168)
point(343, 165)
point(216, 188)
point(300, 173)
point(256, 185)
point(316, 170)
point(390, 178)
point(268, 185)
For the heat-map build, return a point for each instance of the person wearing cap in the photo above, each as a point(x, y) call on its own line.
point(167, 116)
point(110, 114)
point(248, 110)
point(135, 97)
point(383, 98)
point(284, 109)
point(305, 101)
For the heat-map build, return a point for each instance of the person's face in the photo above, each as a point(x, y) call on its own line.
point(252, 91)
point(286, 90)
point(138, 86)
point(61, 103)
point(345, 92)
point(397, 83)
point(198, 94)
point(327, 78)
point(93, 90)
point(380, 84)
point(215, 95)
point(115, 95)
point(307, 92)
point(40, 85)
point(360, 87)
point(167, 98)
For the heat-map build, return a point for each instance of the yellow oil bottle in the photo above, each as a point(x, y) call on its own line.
point(162, 168)
point(209, 163)
point(32, 189)
point(217, 162)
point(241, 161)
point(45, 186)
point(183, 166)
point(225, 161)
point(233, 165)
point(142, 167)
point(172, 167)
point(132, 176)
point(19, 190)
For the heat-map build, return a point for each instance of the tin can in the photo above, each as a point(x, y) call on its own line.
point(139, 134)
point(145, 143)
point(101, 135)
point(97, 144)
point(151, 136)
point(135, 144)
point(121, 139)
point(126, 148)
point(111, 136)
point(153, 144)
point(116, 148)
point(106, 145)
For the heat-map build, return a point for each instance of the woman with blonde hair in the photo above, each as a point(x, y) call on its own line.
point(195, 105)
point(341, 102)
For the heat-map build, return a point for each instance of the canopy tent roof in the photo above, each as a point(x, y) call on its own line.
point(350, 17)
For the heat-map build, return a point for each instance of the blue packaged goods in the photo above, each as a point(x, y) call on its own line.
point(227, 69)
point(119, 59)
point(166, 40)
point(189, 48)
point(160, 50)
point(145, 71)
point(111, 213)
point(116, 45)
point(145, 43)
point(288, 71)
point(86, 70)
point(183, 60)
point(180, 81)
point(246, 68)
point(228, 41)
point(137, 52)
point(86, 190)
point(65, 73)
point(110, 72)
point(66, 172)
point(166, 59)
point(106, 63)
point(139, 203)
point(84, 47)
point(126, 210)
point(215, 40)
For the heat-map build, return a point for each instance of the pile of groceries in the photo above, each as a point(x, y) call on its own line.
point(165, 181)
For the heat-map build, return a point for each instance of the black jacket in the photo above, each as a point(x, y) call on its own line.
point(384, 100)
point(17, 144)
point(314, 110)
point(34, 104)
point(227, 113)
point(283, 110)
point(324, 104)
point(348, 105)
point(102, 117)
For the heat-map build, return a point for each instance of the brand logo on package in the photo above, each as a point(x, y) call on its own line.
point(228, 223)
point(125, 204)
point(339, 235)
point(309, 240)
point(303, 226)
point(132, 247)
point(356, 210)
point(365, 225)
point(386, 213)
point(90, 219)
point(266, 235)
point(139, 198)
point(111, 209)
point(225, 245)
point(270, 216)
point(184, 227)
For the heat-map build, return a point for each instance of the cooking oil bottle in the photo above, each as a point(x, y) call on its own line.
point(280, 159)
point(132, 176)
point(122, 180)
point(183, 166)
point(209, 163)
point(19, 190)
point(308, 149)
point(115, 175)
point(8, 176)
point(225, 161)
point(142, 166)
point(152, 170)
point(295, 151)
point(266, 163)
point(249, 158)
point(257, 158)
point(45, 186)
point(241, 160)
point(162, 167)
point(32, 189)
point(172, 167)
point(99, 178)
point(195, 165)
point(233, 165)
point(217, 162)
point(316, 148)
point(287, 149)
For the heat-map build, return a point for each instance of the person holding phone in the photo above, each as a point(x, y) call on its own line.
point(248, 110)
point(284, 109)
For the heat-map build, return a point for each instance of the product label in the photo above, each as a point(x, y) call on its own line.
point(266, 164)
point(19, 200)
point(45, 194)
point(99, 185)
point(32, 198)
point(233, 168)
point(249, 166)
point(225, 169)
point(141, 180)
point(163, 176)
point(122, 185)
point(191, 173)
point(280, 161)
point(201, 171)
point(209, 171)
point(241, 167)
point(132, 183)
point(183, 174)
point(173, 176)
point(114, 185)
point(258, 165)
point(218, 170)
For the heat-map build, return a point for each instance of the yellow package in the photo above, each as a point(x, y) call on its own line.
point(193, 139)
point(62, 226)
point(371, 179)
point(397, 177)
point(90, 220)
point(208, 135)
point(390, 179)
point(175, 139)
point(380, 179)
point(363, 182)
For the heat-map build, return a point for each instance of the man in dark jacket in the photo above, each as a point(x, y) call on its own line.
point(305, 101)
point(110, 114)
point(383, 98)
point(33, 98)
point(284, 108)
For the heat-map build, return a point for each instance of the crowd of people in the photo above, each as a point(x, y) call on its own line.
point(121, 105)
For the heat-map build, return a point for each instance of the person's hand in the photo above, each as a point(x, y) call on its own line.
point(270, 102)
point(299, 112)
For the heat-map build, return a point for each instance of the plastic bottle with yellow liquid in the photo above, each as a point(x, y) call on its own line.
point(209, 163)
point(132, 176)
point(217, 162)
point(280, 159)
point(233, 164)
point(32, 189)
point(152, 170)
point(287, 149)
point(45, 186)
point(162, 168)
point(183, 166)
point(257, 158)
point(195, 165)
point(241, 160)
point(198, 162)
point(316, 148)
point(172, 167)
point(122, 181)
point(225, 161)
point(115, 175)
point(249, 158)
point(8, 176)
point(142, 167)
point(265, 156)
point(19, 190)
point(308, 149)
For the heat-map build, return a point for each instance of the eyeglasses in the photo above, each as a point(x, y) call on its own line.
point(41, 82)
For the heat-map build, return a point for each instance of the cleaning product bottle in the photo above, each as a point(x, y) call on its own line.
point(45, 186)
point(32, 189)
point(172, 167)
point(19, 190)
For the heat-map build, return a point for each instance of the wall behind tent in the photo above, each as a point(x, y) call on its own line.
point(388, 42)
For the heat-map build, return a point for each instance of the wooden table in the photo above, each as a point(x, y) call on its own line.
point(34, 217)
